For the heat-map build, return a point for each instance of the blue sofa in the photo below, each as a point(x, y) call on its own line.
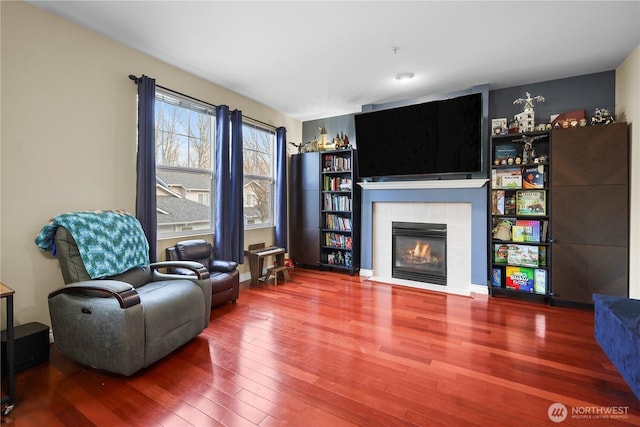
point(617, 330)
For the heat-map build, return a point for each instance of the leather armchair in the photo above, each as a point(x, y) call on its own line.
point(224, 275)
point(125, 322)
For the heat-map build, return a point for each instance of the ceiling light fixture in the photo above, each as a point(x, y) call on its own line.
point(404, 76)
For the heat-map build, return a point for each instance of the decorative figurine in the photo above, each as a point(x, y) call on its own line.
point(299, 146)
point(528, 101)
point(323, 137)
point(528, 153)
point(526, 119)
point(602, 116)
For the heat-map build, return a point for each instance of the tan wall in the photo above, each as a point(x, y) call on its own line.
point(69, 136)
point(628, 109)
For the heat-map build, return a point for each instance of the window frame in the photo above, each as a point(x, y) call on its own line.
point(191, 105)
point(271, 178)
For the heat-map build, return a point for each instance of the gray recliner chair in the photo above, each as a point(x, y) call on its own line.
point(128, 321)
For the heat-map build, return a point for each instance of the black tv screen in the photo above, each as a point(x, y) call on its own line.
point(422, 140)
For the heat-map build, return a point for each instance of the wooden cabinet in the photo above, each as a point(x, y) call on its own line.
point(590, 212)
point(325, 210)
point(304, 210)
point(519, 246)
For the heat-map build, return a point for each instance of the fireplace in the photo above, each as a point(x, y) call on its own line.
point(419, 252)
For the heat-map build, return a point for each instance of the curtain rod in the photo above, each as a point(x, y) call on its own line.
point(136, 79)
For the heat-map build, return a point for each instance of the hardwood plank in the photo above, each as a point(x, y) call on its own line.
point(328, 349)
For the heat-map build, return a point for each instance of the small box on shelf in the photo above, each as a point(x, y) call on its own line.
point(520, 278)
point(531, 202)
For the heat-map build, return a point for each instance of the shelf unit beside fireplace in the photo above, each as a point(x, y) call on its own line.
point(340, 207)
point(519, 251)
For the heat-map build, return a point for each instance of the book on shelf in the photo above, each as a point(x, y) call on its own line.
point(542, 256)
point(503, 153)
point(520, 278)
point(497, 202)
point(517, 233)
point(525, 255)
point(530, 230)
point(500, 253)
point(507, 178)
point(543, 230)
point(540, 281)
point(510, 204)
point(533, 176)
point(496, 277)
point(531, 202)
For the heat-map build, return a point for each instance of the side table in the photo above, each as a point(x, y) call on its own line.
point(9, 399)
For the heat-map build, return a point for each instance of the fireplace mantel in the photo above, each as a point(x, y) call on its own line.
point(435, 193)
point(424, 184)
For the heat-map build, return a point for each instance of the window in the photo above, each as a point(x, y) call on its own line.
point(184, 166)
point(258, 158)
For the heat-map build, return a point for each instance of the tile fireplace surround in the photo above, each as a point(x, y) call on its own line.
point(460, 204)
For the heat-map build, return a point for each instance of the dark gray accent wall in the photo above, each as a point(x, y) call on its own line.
point(586, 92)
point(334, 125)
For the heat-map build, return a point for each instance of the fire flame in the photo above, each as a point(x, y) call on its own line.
point(421, 251)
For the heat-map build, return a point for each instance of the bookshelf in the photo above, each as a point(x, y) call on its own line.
point(339, 219)
point(325, 210)
point(519, 229)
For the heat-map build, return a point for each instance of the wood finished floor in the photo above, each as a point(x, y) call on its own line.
point(328, 349)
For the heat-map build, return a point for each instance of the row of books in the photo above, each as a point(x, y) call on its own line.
point(333, 163)
point(336, 183)
point(526, 177)
point(521, 230)
point(336, 240)
point(520, 255)
point(337, 222)
point(334, 202)
point(525, 279)
point(520, 202)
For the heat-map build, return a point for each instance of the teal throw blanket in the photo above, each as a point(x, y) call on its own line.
point(110, 242)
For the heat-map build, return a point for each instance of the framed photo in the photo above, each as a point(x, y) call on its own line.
point(499, 127)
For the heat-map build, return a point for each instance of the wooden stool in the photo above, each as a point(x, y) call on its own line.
point(274, 271)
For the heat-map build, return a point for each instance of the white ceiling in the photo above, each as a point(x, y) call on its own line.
point(316, 59)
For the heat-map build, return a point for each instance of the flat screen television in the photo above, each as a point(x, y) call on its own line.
point(427, 140)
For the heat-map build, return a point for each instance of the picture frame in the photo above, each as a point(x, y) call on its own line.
point(499, 126)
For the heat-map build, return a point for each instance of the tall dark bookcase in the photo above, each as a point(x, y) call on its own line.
point(577, 185)
point(520, 204)
point(325, 210)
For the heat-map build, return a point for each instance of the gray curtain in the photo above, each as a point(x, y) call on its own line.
point(281, 189)
point(146, 162)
